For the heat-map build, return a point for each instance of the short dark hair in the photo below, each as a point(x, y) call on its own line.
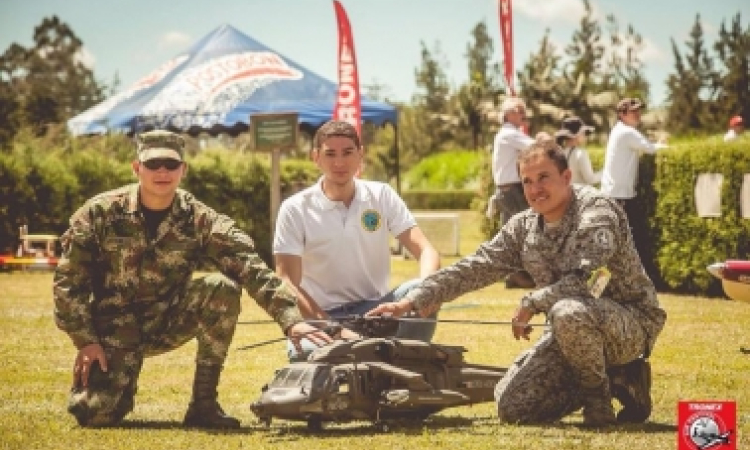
point(338, 128)
point(547, 148)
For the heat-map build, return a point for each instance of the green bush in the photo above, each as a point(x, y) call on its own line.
point(430, 199)
point(457, 169)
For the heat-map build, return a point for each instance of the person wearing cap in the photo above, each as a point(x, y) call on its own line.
point(570, 137)
point(736, 127)
point(624, 147)
point(332, 240)
point(124, 288)
point(603, 312)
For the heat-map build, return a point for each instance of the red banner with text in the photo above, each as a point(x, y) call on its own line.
point(348, 102)
point(505, 12)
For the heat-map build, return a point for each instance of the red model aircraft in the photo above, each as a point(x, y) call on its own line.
point(735, 278)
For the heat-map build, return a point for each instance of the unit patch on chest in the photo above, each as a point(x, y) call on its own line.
point(371, 220)
point(604, 238)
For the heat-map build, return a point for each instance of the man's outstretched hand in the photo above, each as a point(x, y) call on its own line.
point(393, 309)
point(304, 330)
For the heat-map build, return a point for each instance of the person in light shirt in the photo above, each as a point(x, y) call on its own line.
point(508, 199)
point(332, 240)
point(509, 141)
point(624, 147)
point(571, 137)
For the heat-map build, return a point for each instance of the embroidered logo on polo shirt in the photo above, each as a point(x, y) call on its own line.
point(371, 220)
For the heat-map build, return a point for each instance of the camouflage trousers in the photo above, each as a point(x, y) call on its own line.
point(584, 338)
point(208, 311)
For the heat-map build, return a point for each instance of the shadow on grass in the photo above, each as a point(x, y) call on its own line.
point(480, 425)
point(291, 431)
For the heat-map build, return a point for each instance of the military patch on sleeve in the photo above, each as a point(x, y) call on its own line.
point(598, 281)
point(371, 220)
point(604, 238)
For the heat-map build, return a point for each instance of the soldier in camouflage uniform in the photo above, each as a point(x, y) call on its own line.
point(124, 288)
point(602, 309)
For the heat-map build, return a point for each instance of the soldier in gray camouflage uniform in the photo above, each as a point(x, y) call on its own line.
point(602, 309)
point(124, 288)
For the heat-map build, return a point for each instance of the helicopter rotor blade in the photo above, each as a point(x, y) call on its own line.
point(400, 319)
point(332, 329)
point(333, 324)
point(262, 343)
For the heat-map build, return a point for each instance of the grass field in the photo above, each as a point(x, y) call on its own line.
point(696, 358)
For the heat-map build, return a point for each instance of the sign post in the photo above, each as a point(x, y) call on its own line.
point(274, 133)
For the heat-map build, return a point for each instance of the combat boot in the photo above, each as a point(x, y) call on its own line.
point(597, 406)
point(631, 386)
point(204, 410)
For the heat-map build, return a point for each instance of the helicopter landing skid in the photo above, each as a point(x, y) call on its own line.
point(383, 427)
point(315, 424)
point(265, 422)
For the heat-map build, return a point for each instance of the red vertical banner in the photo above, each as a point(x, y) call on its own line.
point(348, 102)
point(505, 12)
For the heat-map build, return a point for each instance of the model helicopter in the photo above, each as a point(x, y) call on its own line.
point(375, 379)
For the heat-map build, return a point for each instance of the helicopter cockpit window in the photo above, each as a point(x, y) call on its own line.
point(341, 383)
point(297, 376)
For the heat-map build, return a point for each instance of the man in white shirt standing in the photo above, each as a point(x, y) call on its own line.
point(509, 199)
point(509, 141)
point(620, 172)
point(332, 240)
point(624, 147)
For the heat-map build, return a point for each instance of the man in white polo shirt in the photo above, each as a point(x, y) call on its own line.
point(332, 240)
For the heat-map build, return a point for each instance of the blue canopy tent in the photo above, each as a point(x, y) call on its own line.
point(215, 86)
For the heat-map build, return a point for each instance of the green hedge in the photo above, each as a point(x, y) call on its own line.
point(687, 243)
point(42, 189)
point(455, 169)
point(433, 199)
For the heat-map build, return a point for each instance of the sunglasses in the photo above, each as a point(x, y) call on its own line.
point(158, 163)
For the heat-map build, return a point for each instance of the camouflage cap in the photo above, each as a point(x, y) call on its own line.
point(160, 144)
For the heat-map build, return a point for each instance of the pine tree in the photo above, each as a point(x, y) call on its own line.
point(49, 81)
point(692, 88)
point(478, 98)
point(541, 84)
point(431, 105)
point(733, 49)
point(584, 70)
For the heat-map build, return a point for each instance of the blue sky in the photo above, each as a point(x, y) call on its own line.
point(132, 37)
